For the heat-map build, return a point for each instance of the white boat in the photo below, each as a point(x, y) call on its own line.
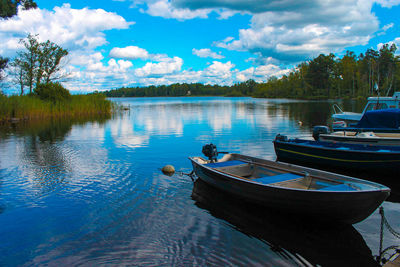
point(343, 118)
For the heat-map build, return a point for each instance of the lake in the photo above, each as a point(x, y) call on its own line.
point(90, 192)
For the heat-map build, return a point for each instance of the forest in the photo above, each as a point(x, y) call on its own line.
point(326, 76)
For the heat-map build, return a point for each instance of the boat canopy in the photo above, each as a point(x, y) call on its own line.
point(383, 118)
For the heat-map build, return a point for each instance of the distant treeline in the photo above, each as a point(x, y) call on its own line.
point(326, 76)
point(185, 89)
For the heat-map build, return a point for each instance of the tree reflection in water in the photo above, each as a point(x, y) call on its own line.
point(45, 163)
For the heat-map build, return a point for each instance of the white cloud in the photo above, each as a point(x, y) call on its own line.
point(261, 73)
point(129, 52)
point(169, 10)
point(92, 74)
point(294, 34)
point(387, 26)
point(164, 9)
point(70, 28)
point(206, 52)
point(80, 31)
point(219, 69)
point(168, 66)
point(134, 52)
point(388, 3)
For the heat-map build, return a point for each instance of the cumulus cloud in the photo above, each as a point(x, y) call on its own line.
point(70, 28)
point(206, 52)
point(299, 31)
point(388, 3)
point(134, 52)
point(169, 10)
point(253, 6)
point(261, 73)
point(78, 30)
point(287, 30)
point(129, 52)
point(219, 69)
point(168, 66)
point(163, 8)
point(89, 73)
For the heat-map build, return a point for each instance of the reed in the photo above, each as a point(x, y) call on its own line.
point(31, 107)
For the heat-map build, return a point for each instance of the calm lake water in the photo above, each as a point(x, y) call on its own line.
point(91, 192)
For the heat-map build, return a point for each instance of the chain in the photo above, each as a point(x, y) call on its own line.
point(391, 230)
point(384, 222)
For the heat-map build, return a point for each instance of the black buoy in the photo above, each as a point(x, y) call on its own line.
point(319, 129)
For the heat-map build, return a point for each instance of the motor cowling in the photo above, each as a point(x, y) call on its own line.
point(320, 129)
point(210, 151)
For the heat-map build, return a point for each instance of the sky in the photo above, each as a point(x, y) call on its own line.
point(115, 43)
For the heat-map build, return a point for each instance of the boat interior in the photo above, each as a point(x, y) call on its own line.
point(274, 176)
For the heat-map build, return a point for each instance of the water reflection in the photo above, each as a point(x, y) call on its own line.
point(43, 163)
point(50, 130)
point(291, 239)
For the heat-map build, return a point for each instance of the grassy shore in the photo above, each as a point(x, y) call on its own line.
point(32, 108)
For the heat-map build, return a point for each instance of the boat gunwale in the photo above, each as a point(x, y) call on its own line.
point(341, 150)
point(379, 187)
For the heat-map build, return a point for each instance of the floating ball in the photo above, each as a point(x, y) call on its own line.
point(168, 170)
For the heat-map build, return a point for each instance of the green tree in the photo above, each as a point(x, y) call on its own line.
point(38, 63)
point(3, 65)
point(28, 60)
point(54, 92)
point(320, 72)
point(346, 74)
point(387, 67)
point(50, 55)
point(9, 8)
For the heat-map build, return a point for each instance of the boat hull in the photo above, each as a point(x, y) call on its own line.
point(343, 207)
point(335, 158)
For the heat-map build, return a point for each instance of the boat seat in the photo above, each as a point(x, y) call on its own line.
point(225, 163)
point(277, 178)
point(338, 187)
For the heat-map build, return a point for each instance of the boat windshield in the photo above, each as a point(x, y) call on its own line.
point(376, 106)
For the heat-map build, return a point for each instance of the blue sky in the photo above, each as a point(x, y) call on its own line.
point(152, 42)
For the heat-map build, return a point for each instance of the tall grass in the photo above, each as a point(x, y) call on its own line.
point(31, 107)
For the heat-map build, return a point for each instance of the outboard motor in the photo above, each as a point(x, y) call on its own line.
point(320, 129)
point(210, 151)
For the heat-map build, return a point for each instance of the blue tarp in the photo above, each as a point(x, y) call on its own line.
point(384, 118)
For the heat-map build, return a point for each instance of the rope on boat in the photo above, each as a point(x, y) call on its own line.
point(382, 253)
